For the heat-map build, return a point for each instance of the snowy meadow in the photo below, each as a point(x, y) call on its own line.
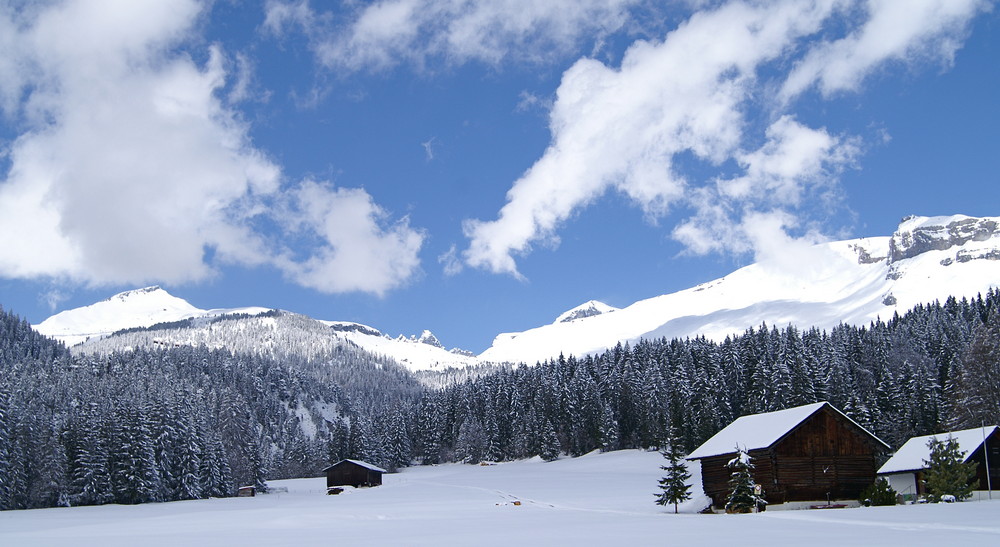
point(588, 500)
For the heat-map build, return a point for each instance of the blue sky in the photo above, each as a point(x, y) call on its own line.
point(472, 167)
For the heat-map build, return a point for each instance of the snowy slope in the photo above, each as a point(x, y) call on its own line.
point(138, 308)
point(853, 281)
point(422, 352)
point(90, 328)
point(591, 500)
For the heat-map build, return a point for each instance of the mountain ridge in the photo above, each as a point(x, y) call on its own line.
point(852, 281)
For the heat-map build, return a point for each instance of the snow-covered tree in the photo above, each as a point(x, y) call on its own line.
point(550, 448)
point(947, 472)
point(471, 442)
point(674, 487)
point(742, 497)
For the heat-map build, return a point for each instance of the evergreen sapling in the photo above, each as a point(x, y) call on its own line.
point(674, 486)
point(742, 497)
point(947, 472)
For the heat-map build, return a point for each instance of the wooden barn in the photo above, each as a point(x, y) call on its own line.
point(905, 469)
point(353, 473)
point(807, 453)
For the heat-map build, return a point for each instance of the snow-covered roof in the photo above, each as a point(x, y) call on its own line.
point(913, 453)
point(366, 465)
point(760, 430)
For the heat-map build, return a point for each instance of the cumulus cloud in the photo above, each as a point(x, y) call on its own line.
point(622, 128)
point(382, 34)
point(360, 249)
point(915, 30)
point(130, 166)
point(698, 97)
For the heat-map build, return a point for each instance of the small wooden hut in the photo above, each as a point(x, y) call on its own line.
point(808, 453)
point(354, 473)
point(905, 469)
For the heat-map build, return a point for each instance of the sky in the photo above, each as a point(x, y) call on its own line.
point(473, 167)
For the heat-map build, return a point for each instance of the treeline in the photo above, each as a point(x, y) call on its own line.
point(937, 367)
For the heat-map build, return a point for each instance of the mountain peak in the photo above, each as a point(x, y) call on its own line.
point(133, 308)
point(427, 337)
point(589, 308)
point(138, 293)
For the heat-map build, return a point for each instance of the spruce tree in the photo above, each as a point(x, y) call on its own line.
point(550, 447)
point(947, 472)
point(674, 486)
point(742, 498)
point(879, 493)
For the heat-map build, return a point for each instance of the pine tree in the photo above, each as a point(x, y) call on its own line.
point(6, 445)
point(471, 442)
point(879, 493)
point(674, 486)
point(742, 497)
point(609, 429)
point(947, 472)
point(550, 448)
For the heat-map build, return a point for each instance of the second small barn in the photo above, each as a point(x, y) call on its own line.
point(906, 468)
point(354, 473)
point(802, 454)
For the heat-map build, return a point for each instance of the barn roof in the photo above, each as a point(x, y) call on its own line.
point(366, 465)
point(913, 453)
point(762, 430)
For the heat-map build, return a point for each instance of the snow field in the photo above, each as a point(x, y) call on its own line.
point(591, 500)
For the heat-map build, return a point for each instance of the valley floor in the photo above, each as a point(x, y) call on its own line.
point(594, 499)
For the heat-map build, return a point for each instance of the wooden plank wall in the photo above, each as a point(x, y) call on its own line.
point(826, 454)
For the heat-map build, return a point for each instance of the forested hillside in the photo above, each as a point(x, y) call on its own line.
point(180, 423)
point(936, 367)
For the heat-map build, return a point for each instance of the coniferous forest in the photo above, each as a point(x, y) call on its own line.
point(192, 422)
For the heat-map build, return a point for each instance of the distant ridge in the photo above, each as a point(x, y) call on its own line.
point(854, 281)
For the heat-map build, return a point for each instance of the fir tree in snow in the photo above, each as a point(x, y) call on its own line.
point(947, 472)
point(879, 493)
point(609, 430)
point(550, 448)
point(6, 447)
point(674, 486)
point(471, 443)
point(742, 498)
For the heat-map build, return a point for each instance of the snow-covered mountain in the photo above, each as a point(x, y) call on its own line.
point(854, 281)
point(587, 309)
point(91, 329)
point(130, 309)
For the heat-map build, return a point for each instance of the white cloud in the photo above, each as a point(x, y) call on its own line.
point(696, 97)
point(382, 34)
point(129, 166)
point(621, 128)
point(793, 157)
point(909, 31)
point(360, 250)
point(428, 146)
point(450, 262)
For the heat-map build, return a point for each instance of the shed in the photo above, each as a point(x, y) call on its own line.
point(354, 473)
point(905, 469)
point(807, 453)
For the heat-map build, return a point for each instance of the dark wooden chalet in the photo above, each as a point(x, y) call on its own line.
point(353, 473)
point(905, 469)
point(807, 453)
